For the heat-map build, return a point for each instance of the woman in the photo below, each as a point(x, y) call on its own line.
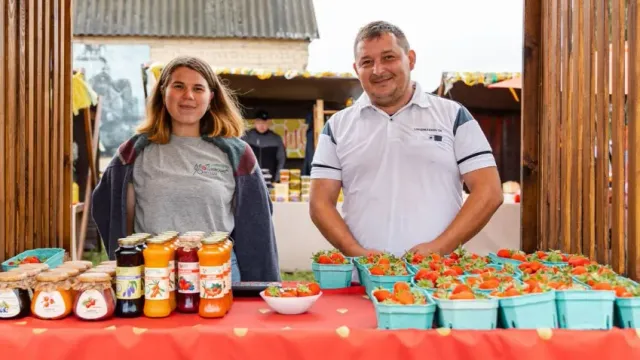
point(186, 169)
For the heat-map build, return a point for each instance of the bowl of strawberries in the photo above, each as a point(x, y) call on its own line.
point(291, 300)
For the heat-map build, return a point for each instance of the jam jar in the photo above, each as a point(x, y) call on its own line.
point(94, 297)
point(15, 297)
point(188, 285)
point(157, 302)
point(129, 273)
point(52, 298)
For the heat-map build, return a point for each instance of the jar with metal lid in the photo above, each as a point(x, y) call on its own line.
point(94, 299)
point(188, 284)
point(81, 265)
point(40, 267)
point(156, 278)
point(72, 273)
point(129, 278)
point(109, 270)
point(52, 298)
point(15, 297)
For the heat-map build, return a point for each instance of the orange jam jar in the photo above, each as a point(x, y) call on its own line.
point(156, 278)
point(212, 256)
point(94, 297)
point(72, 272)
point(52, 298)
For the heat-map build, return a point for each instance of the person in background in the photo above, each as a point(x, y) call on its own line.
point(401, 156)
point(267, 145)
point(186, 169)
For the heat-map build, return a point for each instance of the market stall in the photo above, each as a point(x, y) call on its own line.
point(340, 316)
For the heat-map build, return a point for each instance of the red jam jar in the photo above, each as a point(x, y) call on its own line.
point(188, 281)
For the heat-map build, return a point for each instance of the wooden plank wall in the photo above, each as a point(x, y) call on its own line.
point(578, 195)
point(35, 125)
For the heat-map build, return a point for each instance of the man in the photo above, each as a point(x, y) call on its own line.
point(267, 145)
point(400, 155)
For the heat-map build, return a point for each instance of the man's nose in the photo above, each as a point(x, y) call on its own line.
point(378, 69)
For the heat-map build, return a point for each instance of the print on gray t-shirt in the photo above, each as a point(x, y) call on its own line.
point(184, 185)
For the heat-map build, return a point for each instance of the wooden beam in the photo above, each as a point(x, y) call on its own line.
point(529, 231)
point(633, 108)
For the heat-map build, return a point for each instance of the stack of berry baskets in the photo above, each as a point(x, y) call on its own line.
point(331, 269)
point(403, 307)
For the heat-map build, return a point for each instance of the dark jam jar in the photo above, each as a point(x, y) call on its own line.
point(15, 300)
point(129, 287)
point(188, 279)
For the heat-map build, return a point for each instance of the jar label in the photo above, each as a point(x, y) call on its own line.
point(188, 277)
point(49, 305)
point(129, 283)
point(9, 304)
point(156, 283)
point(212, 283)
point(91, 305)
point(172, 275)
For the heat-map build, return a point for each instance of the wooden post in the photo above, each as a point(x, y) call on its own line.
point(529, 229)
point(633, 108)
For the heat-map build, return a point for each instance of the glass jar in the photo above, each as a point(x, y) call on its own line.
point(15, 298)
point(94, 297)
point(31, 278)
point(109, 270)
point(188, 296)
point(129, 285)
point(81, 266)
point(156, 278)
point(52, 298)
point(72, 273)
point(172, 267)
point(39, 267)
point(212, 257)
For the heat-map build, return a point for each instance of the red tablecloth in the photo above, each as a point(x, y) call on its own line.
point(339, 326)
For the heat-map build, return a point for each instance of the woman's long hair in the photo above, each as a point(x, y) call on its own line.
point(223, 118)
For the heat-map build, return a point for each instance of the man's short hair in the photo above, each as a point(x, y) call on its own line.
point(376, 29)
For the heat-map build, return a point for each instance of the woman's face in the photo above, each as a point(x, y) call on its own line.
point(187, 98)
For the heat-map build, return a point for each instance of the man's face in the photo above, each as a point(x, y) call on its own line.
point(384, 69)
point(262, 125)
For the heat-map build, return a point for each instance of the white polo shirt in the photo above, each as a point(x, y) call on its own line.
point(401, 174)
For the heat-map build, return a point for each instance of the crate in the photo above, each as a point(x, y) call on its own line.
point(479, 314)
point(395, 317)
point(54, 257)
point(585, 309)
point(530, 311)
point(333, 276)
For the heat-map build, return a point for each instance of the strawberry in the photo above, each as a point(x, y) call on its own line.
point(464, 295)
point(460, 288)
point(602, 286)
point(404, 297)
point(324, 259)
point(504, 253)
point(421, 274)
point(314, 288)
point(337, 258)
point(382, 294)
point(272, 291)
point(376, 271)
point(519, 257)
point(303, 290)
point(450, 272)
point(400, 286)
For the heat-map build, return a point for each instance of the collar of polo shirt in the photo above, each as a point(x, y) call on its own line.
point(419, 98)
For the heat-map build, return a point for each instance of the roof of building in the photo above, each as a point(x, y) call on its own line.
point(266, 19)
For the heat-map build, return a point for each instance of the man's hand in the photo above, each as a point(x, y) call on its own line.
point(427, 248)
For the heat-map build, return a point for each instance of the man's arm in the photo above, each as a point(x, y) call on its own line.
point(484, 199)
point(323, 212)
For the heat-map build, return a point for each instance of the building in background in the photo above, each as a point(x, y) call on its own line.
point(265, 34)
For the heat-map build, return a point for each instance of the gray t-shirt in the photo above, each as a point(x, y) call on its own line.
point(184, 185)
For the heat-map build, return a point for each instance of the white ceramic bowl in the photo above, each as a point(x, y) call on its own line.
point(290, 305)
